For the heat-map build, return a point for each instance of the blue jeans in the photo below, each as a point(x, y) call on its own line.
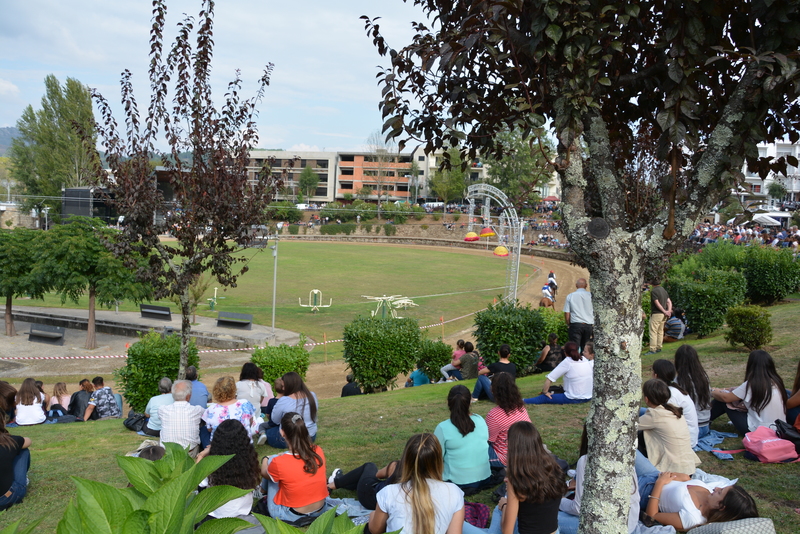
point(284, 513)
point(567, 523)
point(483, 387)
point(19, 487)
point(647, 475)
point(557, 398)
point(703, 431)
point(791, 413)
point(494, 461)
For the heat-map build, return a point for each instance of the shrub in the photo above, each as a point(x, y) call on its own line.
point(553, 323)
point(389, 229)
point(522, 328)
point(423, 226)
point(377, 350)
point(367, 228)
point(749, 325)
point(396, 212)
point(284, 211)
point(277, 361)
point(162, 500)
point(437, 216)
point(149, 360)
point(366, 210)
point(771, 274)
point(456, 217)
point(294, 229)
point(419, 212)
point(434, 355)
point(706, 297)
point(333, 210)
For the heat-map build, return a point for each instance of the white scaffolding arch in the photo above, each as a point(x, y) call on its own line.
point(506, 225)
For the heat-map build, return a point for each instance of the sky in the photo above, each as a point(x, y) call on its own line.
point(323, 93)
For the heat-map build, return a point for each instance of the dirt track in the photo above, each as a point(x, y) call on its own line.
point(324, 379)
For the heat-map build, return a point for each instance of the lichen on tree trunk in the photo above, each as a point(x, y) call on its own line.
point(186, 328)
point(10, 328)
point(91, 334)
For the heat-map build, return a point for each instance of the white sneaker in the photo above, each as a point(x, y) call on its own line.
point(262, 438)
point(441, 381)
point(336, 472)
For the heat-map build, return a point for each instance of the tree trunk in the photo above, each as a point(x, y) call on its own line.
point(91, 335)
point(186, 327)
point(10, 328)
point(616, 278)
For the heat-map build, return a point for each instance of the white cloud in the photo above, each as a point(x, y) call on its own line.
point(304, 148)
point(8, 89)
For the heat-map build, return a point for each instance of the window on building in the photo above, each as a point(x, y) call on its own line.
point(402, 187)
point(322, 178)
point(348, 157)
point(322, 163)
point(420, 158)
point(405, 159)
point(756, 188)
point(473, 176)
point(321, 192)
point(378, 173)
point(347, 172)
point(420, 173)
point(345, 185)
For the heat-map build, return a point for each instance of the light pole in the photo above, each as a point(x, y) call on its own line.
point(274, 283)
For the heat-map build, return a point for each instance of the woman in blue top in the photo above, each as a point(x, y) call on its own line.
point(296, 398)
point(464, 439)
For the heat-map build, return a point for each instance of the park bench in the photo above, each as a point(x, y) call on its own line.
point(155, 312)
point(236, 320)
point(44, 333)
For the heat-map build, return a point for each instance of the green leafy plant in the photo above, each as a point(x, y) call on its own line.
point(646, 304)
point(456, 217)
point(377, 350)
point(521, 327)
point(433, 355)
point(161, 498)
point(771, 274)
point(277, 361)
point(437, 216)
point(366, 228)
point(389, 229)
point(419, 212)
point(554, 323)
point(284, 211)
point(749, 325)
point(706, 297)
point(327, 523)
point(15, 528)
point(150, 359)
point(423, 226)
point(294, 229)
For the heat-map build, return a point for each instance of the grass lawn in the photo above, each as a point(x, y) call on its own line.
point(354, 430)
point(442, 284)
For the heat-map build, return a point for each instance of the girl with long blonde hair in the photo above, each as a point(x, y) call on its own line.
point(421, 503)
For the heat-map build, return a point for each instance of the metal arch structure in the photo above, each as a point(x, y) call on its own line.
point(506, 225)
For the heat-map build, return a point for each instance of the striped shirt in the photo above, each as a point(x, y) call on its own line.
point(499, 422)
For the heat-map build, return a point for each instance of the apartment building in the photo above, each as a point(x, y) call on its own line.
point(791, 182)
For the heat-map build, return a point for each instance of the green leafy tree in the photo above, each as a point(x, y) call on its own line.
point(382, 155)
point(17, 258)
point(72, 259)
point(776, 190)
point(523, 168)
point(219, 200)
point(56, 146)
point(308, 182)
point(197, 293)
point(377, 350)
point(705, 81)
point(449, 182)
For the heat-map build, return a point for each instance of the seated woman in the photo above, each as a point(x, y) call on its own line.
point(15, 460)
point(762, 391)
point(29, 401)
point(793, 402)
point(509, 410)
point(463, 439)
point(79, 400)
point(570, 509)
point(676, 500)
point(296, 398)
point(451, 369)
point(248, 387)
point(691, 376)
point(58, 403)
point(421, 503)
point(535, 486)
point(297, 490)
point(241, 471)
point(664, 370)
point(666, 441)
point(227, 406)
point(483, 387)
point(578, 372)
point(551, 355)
point(8, 394)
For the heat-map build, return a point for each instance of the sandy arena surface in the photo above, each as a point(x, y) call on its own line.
point(326, 380)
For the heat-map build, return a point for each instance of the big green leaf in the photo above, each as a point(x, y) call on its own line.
point(103, 508)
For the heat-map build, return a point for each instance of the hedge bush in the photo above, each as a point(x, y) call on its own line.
point(294, 229)
point(749, 325)
point(389, 229)
point(333, 229)
point(524, 329)
point(377, 350)
point(366, 228)
point(554, 323)
point(771, 274)
point(149, 360)
point(437, 216)
point(433, 355)
point(284, 211)
point(419, 212)
point(277, 361)
point(706, 297)
point(456, 217)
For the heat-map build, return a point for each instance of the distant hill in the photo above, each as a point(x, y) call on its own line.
point(6, 135)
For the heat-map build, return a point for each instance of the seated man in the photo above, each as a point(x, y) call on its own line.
point(199, 390)
point(103, 401)
point(180, 421)
point(153, 426)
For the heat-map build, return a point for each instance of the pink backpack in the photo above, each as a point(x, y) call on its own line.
point(764, 444)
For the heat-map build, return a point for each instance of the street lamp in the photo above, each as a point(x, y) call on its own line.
point(274, 249)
